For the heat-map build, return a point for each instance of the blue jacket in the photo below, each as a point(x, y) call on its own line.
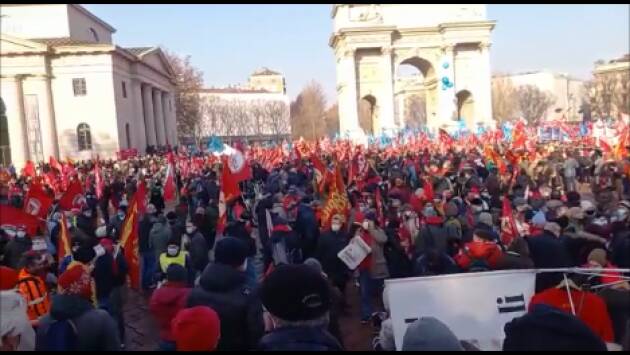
point(299, 339)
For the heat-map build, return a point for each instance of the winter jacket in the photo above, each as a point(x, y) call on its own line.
point(299, 339)
point(516, 257)
point(432, 236)
point(239, 230)
point(328, 246)
point(86, 224)
point(293, 246)
point(96, 329)
point(378, 269)
point(589, 307)
point(165, 302)
point(199, 252)
point(223, 288)
point(108, 273)
point(547, 251)
point(488, 252)
point(434, 263)
point(144, 230)
point(159, 237)
point(306, 227)
point(114, 227)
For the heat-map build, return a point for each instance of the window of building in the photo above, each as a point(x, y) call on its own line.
point(84, 137)
point(94, 34)
point(78, 86)
point(124, 89)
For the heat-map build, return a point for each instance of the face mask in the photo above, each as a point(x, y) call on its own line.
point(335, 227)
point(87, 214)
point(477, 208)
point(20, 234)
point(121, 215)
point(172, 251)
point(366, 225)
point(190, 230)
point(370, 202)
point(99, 250)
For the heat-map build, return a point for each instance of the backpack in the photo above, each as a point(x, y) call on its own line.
point(62, 335)
point(476, 264)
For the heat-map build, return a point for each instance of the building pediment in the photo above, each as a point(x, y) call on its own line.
point(19, 46)
point(156, 59)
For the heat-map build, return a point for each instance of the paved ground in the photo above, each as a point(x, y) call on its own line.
point(142, 333)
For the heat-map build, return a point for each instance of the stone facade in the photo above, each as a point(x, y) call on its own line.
point(448, 44)
point(76, 94)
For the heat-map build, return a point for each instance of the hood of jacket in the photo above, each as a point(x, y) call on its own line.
point(68, 306)
point(221, 278)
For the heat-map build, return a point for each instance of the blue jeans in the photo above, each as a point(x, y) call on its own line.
point(368, 287)
point(250, 273)
point(166, 345)
point(148, 269)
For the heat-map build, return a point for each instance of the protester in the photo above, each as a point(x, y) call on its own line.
point(196, 329)
point(16, 332)
point(32, 286)
point(222, 287)
point(175, 255)
point(429, 334)
point(167, 301)
point(482, 254)
point(296, 320)
point(73, 323)
point(329, 245)
point(145, 247)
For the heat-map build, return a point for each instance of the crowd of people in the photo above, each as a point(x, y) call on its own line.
point(261, 271)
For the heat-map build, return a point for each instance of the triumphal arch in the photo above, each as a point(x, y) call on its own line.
point(406, 65)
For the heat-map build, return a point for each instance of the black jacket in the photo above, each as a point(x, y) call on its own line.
point(238, 230)
point(299, 339)
point(96, 329)
point(199, 251)
point(107, 275)
point(86, 224)
point(547, 251)
point(144, 231)
point(223, 289)
point(328, 246)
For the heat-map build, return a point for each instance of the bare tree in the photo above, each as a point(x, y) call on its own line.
point(189, 80)
point(417, 111)
point(504, 98)
point(307, 112)
point(601, 92)
point(533, 102)
point(332, 120)
point(276, 119)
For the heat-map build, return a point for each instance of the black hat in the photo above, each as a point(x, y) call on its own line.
point(175, 273)
point(84, 254)
point(483, 234)
point(230, 251)
point(547, 328)
point(171, 216)
point(295, 293)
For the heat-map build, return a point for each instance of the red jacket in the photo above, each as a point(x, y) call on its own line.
point(164, 305)
point(592, 312)
point(488, 251)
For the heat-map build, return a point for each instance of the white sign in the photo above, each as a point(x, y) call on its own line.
point(475, 306)
point(354, 253)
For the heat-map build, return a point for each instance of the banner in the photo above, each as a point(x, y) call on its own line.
point(475, 306)
point(354, 253)
point(125, 154)
point(129, 241)
point(11, 216)
point(37, 202)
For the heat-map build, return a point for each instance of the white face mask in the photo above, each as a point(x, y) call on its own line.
point(172, 251)
point(121, 215)
point(335, 227)
point(190, 230)
point(20, 234)
point(366, 225)
point(87, 214)
point(99, 250)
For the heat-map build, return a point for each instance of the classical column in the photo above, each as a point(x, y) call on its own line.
point(158, 115)
point(446, 103)
point(171, 115)
point(168, 127)
point(387, 121)
point(147, 104)
point(483, 98)
point(47, 123)
point(17, 125)
point(349, 113)
point(139, 130)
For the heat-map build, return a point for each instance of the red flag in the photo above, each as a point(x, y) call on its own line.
point(129, 241)
point(239, 167)
point(73, 197)
point(378, 199)
point(320, 172)
point(428, 189)
point(337, 202)
point(445, 138)
point(98, 179)
point(518, 136)
point(141, 197)
point(169, 185)
point(55, 164)
point(63, 243)
point(37, 201)
point(508, 224)
point(11, 216)
point(229, 184)
point(29, 169)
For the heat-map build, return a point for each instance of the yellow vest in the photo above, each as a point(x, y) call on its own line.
point(166, 260)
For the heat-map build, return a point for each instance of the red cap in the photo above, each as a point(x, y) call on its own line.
point(8, 278)
point(76, 281)
point(196, 329)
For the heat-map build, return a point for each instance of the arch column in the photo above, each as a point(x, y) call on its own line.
point(139, 129)
point(348, 101)
point(17, 124)
point(483, 99)
point(446, 98)
point(386, 117)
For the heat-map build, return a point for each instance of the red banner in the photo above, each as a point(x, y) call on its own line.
point(73, 197)
point(508, 224)
point(11, 216)
point(37, 201)
point(125, 154)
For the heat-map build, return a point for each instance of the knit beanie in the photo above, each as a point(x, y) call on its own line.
point(76, 281)
point(599, 256)
point(196, 329)
point(430, 334)
point(296, 292)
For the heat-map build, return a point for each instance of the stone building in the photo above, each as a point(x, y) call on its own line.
point(69, 91)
